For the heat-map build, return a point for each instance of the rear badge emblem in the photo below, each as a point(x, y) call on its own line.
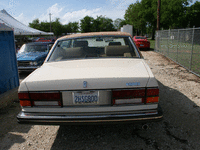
point(84, 84)
point(133, 84)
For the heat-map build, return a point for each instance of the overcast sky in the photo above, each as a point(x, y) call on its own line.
point(26, 11)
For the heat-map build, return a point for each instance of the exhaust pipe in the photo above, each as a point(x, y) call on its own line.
point(145, 126)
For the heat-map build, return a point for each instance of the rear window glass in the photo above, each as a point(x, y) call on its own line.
point(93, 47)
point(140, 37)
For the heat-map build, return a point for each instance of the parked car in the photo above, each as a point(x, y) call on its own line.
point(87, 78)
point(32, 55)
point(141, 42)
point(42, 40)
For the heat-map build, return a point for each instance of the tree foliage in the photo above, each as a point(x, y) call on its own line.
point(193, 15)
point(56, 27)
point(173, 14)
point(133, 16)
point(87, 24)
point(101, 23)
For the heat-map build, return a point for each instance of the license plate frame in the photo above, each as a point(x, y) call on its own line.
point(85, 97)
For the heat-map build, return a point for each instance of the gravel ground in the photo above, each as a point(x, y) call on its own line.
point(179, 129)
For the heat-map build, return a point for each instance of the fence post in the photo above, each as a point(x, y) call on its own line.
point(168, 43)
point(160, 41)
point(192, 49)
point(177, 47)
point(156, 41)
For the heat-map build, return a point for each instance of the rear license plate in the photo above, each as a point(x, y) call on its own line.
point(86, 97)
point(141, 45)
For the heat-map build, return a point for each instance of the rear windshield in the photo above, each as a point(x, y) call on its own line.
point(93, 47)
point(140, 37)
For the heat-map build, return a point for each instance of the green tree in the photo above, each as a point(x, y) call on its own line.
point(174, 14)
point(87, 24)
point(102, 23)
point(134, 16)
point(143, 15)
point(71, 27)
point(57, 27)
point(149, 14)
point(193, 15)
point(45, 26)
point(35, 24)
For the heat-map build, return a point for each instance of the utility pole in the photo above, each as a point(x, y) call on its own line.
point(158, 15)
point(50, 20)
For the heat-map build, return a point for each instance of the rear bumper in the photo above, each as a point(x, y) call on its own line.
point(144, 45)
point(28, 118)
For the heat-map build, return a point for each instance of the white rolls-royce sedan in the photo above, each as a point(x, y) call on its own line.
point(98, 77)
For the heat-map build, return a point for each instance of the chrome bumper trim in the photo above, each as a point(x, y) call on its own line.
point(39, 119)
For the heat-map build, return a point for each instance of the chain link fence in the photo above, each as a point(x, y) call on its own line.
point(182, 46)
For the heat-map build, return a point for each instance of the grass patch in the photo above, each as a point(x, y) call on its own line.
point(181, 53)
point(152, 44)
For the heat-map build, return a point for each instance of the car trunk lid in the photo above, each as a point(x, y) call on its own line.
point(89, 74)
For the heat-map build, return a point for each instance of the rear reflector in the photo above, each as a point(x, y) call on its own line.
point(47, 103)
point(127, 101)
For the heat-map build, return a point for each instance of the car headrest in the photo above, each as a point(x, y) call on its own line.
point(114, 43)
point(116, 50)
point(80, 43)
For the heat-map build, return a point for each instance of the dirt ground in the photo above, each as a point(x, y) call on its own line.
point(179, 129)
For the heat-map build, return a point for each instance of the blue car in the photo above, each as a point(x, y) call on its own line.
point(32, 55)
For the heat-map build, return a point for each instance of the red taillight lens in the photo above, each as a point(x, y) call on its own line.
point(120, 94)
point(152, 95)
point(135, 96)
point(132, 96)
point(152, 92)
point(25, 103)
point(40, 99)
point(152, 99)
point(45, 96)
point(24, 96)
point(24, 99)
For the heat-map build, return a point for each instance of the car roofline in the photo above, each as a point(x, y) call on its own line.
point(90, 34)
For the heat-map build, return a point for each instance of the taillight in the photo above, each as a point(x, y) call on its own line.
point(152, 92)
point(23, 96)
point(25, 103)
point(45, 96)
point(40, 99)
point(24, 99)
point(135, 96)
point(152, 95)
point(132, 96)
